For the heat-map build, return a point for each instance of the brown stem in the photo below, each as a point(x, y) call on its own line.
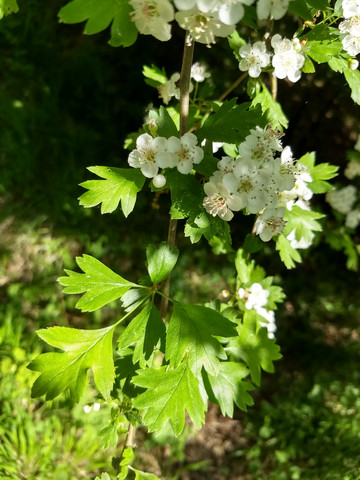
point(233, 86)
point(184, 85)
point(274, 85)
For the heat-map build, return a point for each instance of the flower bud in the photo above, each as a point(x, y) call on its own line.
point(159, 181)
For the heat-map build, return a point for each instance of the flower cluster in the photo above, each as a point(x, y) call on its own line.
point(152, 154)
point(256, 298)
point(203, 19)
point(351, 26)
point(253, 182)
point(286, 59)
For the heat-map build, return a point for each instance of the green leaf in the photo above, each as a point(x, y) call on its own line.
point(319, 173)
point(109, 436)
point(235, 42)
point(154, 76)
point(300, 8)
point(308, 66)
point(146, 330)
point(228, 387)
point(231, 123)
point(120, 184)
point(323, 51)
point(100, 284)
point(99, 14)
point(191, 332)
point(318, 4)
point(127, 457)
point(104, 476)
point(209, 227)
point(353, 79)
point(161, 261)
point(270, 107)
point(143, 475)
point(304, 222)
point(7, 7)
point(288, 254)
point(254, 347)
point(165, 124)
point(338, 64)
point(187, 195)
point(83, 349)
point(247, 271)
point(169, 393)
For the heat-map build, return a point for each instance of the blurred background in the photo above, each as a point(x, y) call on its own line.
point(68, 101)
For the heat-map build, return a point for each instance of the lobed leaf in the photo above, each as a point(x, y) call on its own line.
point(254, 347)
point(228, 387)
point(99, 14)
point(145, 331)
point(169, 393)
point(231, 123)
point(83, 349)
point(100, 284)
point(120, 185)
point(287, 253)
point(191, 332)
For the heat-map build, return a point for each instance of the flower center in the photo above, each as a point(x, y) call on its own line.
point(216, 205)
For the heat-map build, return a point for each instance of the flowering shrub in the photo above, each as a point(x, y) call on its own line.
point(219, 160)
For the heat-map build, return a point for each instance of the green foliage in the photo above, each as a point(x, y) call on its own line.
point(7, 7)
point(100, 284)
point(83, 349)
point(270, 107)
point(319, 173)
point(287, 253)
point(254, 347)
point(120, 185)
point(228, 387)
point(145, 331)
point(161, 261)
point(231, 123)
point(191, 334)
point(170, 391)
point(99, 15)
point(304, 222)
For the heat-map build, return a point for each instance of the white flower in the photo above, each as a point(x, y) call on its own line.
point(353, 219)
point(184, 152)
point(273, 8)
point(251, 184)
point(147, 154)
point(170, 89)
point(271, 222)
point(270, 324)
point(257, 297)
point(220, 202)
point(351, 42)
point(254, 58)
point(343, 199)
point(287, 61)
point(351, 8)
point(302, 243)
point(198, 72)
point(353, 64)
point(261, 144)
point(203, 27)
point(352, 170)
point(151, 17)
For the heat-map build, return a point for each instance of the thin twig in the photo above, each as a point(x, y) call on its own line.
point(184, 85)
point(233, 86)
